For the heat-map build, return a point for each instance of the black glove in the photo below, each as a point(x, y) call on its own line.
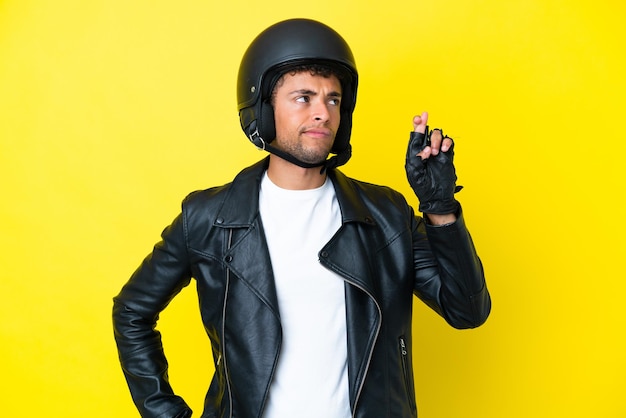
point(434, 179)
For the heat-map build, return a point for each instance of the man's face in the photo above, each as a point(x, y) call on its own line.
point(306, 112)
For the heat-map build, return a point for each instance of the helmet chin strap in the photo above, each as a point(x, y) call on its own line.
point(286, 156)
point(330, 163)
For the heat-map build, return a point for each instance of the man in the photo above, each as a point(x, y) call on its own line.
point(305, 277)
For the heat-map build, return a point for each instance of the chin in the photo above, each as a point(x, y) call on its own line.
point(314, 159)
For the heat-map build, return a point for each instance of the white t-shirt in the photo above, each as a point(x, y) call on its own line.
point(311, 379)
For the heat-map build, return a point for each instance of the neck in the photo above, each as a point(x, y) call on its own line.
point(292, 177)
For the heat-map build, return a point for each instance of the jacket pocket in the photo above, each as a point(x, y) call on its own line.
point(407, 371)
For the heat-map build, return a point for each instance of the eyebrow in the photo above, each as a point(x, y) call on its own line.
point(314, 93)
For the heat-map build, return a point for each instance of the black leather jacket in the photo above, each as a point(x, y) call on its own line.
point(382, 250)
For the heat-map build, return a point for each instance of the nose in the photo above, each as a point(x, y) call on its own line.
point(320, 112)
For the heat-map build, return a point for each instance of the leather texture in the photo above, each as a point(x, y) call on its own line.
point(434, 179)
point(384, 253)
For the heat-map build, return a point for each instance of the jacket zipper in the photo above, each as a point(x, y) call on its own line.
point(223, 356)
point(369, 358)
point(405, 371)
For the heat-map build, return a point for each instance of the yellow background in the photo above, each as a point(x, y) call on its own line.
point(112, 111)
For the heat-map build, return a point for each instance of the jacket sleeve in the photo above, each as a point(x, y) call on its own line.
point(160, 277)
point(449, 273)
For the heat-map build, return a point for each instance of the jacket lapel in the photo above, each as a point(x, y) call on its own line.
point(355, 243)
point(247, 253)
point(349, 254)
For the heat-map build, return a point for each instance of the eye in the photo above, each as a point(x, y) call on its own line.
point(302, 99)
point(335, 101)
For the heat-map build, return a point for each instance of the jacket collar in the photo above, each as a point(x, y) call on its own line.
point(241, 205)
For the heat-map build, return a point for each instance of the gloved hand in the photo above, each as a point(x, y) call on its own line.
point(433, 179)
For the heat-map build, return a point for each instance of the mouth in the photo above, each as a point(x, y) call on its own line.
point(320, 133)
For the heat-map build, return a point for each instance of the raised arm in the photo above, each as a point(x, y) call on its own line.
point(453, 284)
